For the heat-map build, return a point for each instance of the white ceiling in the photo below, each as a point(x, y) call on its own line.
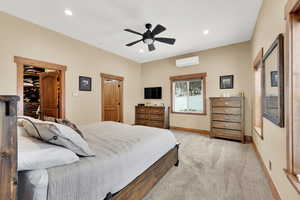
point(101, 22)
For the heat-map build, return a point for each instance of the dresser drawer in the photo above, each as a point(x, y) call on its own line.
point(141, 122)
point(226, 103)
point(226, 125)
point(141, 116)
point(157, 111)
point(157, 117)
point(226, 132)
point(227, 118)
point(140, 109)
point(157, 124)
point(220, 110)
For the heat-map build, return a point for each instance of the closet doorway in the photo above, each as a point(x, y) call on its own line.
point(41, 87)
point(112, 97)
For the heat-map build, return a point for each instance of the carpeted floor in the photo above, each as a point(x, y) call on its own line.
point(213, 169)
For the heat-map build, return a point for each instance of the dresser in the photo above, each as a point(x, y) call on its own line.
point(227, 118)
point(155, 116)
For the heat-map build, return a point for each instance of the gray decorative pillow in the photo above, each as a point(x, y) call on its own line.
point(66, 123)
point(60, 135)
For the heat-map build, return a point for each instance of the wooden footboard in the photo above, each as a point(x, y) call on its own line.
point(138, 188)
point(8, 147)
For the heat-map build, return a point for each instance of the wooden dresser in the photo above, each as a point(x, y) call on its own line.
point(227, 118)
point(155, 116)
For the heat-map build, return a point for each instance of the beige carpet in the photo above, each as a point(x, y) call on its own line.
point(213, 169)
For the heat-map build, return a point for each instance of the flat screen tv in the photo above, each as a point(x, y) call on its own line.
point(152, 93)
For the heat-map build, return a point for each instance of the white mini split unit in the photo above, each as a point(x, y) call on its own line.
point(185, 62)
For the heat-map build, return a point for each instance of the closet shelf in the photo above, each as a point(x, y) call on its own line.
point(31, 74)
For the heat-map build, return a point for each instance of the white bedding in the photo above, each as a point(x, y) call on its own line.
point(34, 154)
point(33, 185)
point(123, 152)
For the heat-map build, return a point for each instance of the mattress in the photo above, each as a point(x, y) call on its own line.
point(123, 152)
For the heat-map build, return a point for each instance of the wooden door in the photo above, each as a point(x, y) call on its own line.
point(112, 90)
point(49, 94)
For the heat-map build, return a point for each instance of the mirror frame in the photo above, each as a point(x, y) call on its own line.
point(279, 42)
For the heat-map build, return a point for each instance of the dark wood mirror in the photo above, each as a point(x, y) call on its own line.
point(273, 83)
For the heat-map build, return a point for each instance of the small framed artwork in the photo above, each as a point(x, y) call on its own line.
point(274, 78)
point(85, 83)
point(226, 82)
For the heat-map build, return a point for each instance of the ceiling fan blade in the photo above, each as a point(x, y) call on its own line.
point(166, 40)
point(133, 43)
point(158, 29)
point(151, 47)
point(134, 32)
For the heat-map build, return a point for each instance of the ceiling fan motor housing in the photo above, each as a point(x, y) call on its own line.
point(148, 37)
point(148, 26)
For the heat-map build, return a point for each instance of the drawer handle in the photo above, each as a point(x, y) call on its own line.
point(226, 103)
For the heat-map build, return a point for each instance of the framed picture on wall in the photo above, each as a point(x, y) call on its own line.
point(273, 82)
point(274, 78)
point(226, 82)
point(85, 83)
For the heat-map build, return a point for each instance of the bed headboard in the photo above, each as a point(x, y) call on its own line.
point(8, 147)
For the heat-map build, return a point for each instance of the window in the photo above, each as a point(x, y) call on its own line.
point(188, 94)
point(258, 75)
point(292, 103)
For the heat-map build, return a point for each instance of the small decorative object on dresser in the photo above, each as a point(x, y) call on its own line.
point(155, 116)
point(227, 118)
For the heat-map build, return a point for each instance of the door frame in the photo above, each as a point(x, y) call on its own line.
point(113, 77)
point(21, 61)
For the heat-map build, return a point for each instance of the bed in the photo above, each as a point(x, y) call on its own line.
point(129, 161)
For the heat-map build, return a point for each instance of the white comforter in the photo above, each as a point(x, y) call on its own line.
point(123, 152)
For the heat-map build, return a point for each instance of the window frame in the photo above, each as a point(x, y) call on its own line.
point(258, 65)
point(185, 77)
point(292, 60)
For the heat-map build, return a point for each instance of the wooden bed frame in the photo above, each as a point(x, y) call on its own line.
point(136, 190)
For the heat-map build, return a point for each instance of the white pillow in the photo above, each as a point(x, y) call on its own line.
point(21, 119)
point(60, 135)
point(34, 154)
point(21, 131)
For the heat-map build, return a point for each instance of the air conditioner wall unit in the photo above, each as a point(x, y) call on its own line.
point(185, 62)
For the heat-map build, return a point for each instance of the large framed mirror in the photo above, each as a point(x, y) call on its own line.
point(273, 82)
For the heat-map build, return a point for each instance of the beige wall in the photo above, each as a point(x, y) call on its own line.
point(20, 38)
point(269, 24)
point(233, 59)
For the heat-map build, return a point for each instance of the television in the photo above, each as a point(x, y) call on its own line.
point(152, 93)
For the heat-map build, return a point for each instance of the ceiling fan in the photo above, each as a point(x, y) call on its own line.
point(149, 36)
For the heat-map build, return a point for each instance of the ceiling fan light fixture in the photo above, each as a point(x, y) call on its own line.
point(149, 41)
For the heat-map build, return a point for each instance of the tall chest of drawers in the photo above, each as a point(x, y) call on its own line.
point(228, 118)
point(155, 116)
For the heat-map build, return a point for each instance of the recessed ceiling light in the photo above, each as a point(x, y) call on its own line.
point(141, 51)
point(68, 12)
point(205, 32)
